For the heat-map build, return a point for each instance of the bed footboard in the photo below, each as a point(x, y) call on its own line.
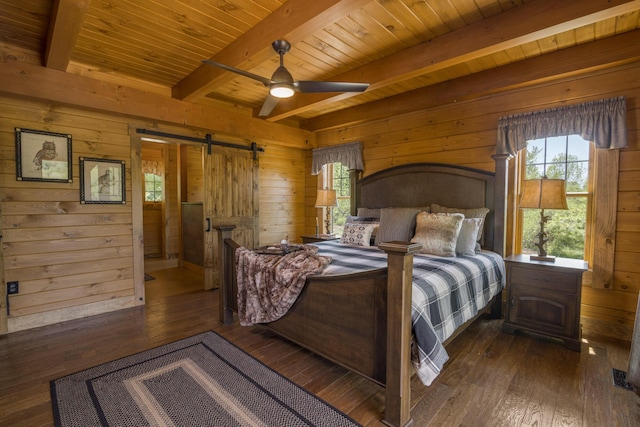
point(367, 316)
point(227, 271)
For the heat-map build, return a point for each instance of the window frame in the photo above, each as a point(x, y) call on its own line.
point(589, 195)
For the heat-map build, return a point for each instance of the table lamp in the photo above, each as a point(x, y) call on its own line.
point(327, 199)
point(543, 194)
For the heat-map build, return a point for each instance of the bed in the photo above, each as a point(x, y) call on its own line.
point(362, 320)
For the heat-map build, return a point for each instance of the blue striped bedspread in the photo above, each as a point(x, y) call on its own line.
point(446, 292)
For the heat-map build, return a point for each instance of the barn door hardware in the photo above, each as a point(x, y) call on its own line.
point(207, 140)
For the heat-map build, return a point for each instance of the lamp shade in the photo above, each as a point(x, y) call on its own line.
point(543, 194)
point(326, 198)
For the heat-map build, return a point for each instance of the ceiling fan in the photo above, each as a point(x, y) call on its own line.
point(282, 85)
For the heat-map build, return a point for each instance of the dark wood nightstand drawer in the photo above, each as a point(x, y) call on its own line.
point(544, 297)
point(552, 280)
point(546, 311)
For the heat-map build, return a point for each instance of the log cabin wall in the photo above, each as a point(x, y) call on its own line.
point(71, 260)
point(74, 260)
point(464, 133)
point(283, 176)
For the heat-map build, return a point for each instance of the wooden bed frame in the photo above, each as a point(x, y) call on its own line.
point(363, 321)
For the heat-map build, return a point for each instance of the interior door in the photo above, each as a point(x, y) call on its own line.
point(230, 198)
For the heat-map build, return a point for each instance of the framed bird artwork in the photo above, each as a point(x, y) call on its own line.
point(102, 181)
point(43, 156)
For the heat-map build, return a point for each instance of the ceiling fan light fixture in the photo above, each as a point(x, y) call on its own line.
point(281, 90)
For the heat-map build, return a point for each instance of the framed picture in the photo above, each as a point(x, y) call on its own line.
point(102, 181)
point(43, 156)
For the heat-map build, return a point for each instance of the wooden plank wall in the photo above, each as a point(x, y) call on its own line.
point(464, 133)
point(71, 260)
point(282, 194)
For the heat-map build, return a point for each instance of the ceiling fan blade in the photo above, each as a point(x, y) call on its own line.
point(268, 106)
point(314, 86)
point(265, 81)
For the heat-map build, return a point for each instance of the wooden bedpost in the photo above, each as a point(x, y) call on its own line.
point(397, 410)
point(226, 263)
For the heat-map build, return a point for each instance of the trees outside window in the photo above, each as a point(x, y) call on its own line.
point(569, 158)
point(339, 178)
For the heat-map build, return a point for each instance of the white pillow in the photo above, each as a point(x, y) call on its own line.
point(438, 233)
point(466, 243)
point(357, 234)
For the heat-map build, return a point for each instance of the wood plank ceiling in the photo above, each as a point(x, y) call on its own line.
point(406, 49)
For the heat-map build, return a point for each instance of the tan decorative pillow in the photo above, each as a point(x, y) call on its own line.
point(468, 213)
point(357, 234)
point(438, 233)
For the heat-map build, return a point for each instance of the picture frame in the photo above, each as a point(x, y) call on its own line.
point(43, 156)
point(102, 181)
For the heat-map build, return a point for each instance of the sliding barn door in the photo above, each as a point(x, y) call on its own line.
point(230, 198)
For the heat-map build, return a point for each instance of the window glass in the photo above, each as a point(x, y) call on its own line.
point(565, 157)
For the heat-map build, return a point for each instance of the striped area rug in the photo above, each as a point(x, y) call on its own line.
point(203, 380)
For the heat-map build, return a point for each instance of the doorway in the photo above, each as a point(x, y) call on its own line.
point(221, 177)
point(171, 176)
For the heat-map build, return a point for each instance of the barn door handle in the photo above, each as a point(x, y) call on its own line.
point(208, 225)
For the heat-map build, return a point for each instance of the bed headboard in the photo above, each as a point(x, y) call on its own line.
point(421, 184)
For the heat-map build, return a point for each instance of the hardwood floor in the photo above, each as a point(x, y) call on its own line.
point(491, 379)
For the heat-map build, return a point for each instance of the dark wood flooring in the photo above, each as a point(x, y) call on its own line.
point(491, 379)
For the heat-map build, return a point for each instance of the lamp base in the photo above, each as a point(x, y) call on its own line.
point(542, 258)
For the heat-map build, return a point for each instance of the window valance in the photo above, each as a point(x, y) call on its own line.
point(604, 122)
point(350, 155)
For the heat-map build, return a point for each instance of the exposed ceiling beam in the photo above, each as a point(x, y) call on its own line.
point(294, 21)
point(37, 82)
point(609, 52)
point(522, 24)
point(64, 27)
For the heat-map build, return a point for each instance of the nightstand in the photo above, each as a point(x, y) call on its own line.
point(312, 238)
point(544, 297)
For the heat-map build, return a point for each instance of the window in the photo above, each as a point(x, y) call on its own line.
point(152, 187)
point(338, 176)
point(152, 171)
point(569, 158)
